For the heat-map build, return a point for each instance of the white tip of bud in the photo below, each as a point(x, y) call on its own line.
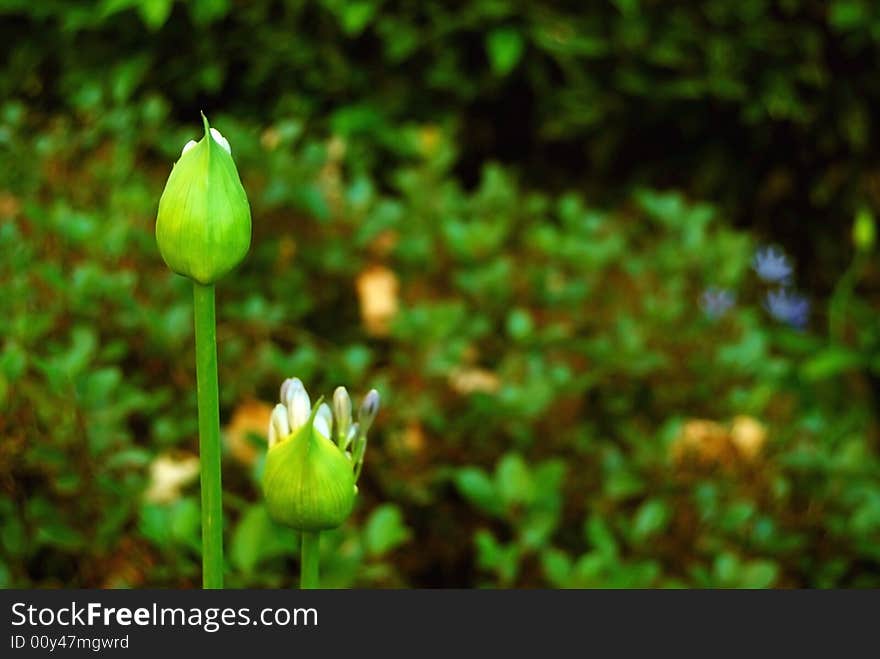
point(299, 406)
point(279, 428)
point(323, 420)
point(188, 146)
point(285, 388)
point(222, 141)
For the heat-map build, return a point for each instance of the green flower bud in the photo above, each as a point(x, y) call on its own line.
point(309, 480)
point(203, 227)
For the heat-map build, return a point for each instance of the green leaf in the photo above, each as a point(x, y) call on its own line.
point(759, 574)
point(830, 362)
point(155, 12)
point(178, 523)
point(505, 48)
point(500, 558)
point(385, 530)
point(538, 528)
point(557, 566)
point(651, 518)
point(185, 523)
point(356, 16)
point(848, 14)
point(600, 536)
point(519, 324)
point(258, 538)
point(207, 11)
point(513, 480)
point(476, 486)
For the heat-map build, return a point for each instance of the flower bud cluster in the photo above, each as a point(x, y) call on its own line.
point(316, 454)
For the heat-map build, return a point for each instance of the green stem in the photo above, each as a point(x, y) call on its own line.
point(209, 436)
point(308, 578)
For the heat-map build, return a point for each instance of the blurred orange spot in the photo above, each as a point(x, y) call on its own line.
point(705, 441)
point(377, 289)
point(9, 204)
point(413, 438)
point(749, 436)
point(709, 442)
point(249, 421)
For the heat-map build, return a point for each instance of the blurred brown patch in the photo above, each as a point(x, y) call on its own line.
point(330, 176)
point(10, 205)
point(410, 441)
point(377, 289)
point(711, 443)
point(250, 419)
point(384, 243)
point(286, 251)
point(126, 567)
point(270, 138)
point(474, 380)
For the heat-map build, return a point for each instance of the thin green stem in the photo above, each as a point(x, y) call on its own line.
point(308, 578)
point(209, 436)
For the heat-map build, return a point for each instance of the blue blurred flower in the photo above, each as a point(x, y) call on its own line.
point(716, 302)
point(788, 306)
point(772, 265)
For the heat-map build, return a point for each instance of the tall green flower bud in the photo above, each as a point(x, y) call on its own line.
point(204, 223)
point(309, 480)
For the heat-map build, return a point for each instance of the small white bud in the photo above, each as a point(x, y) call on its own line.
point(368, 411)
point(299, 406)
point(188, 146)
point(323, 420)
point(279, 428)
point(222, 141)
point(341, 413)
point(285, 388)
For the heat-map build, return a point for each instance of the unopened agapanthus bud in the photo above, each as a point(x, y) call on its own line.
point(203, 227)
point(366, 415)
point(298, 404)
point(324, 420)
point(368, 411)
point(279, 426)
point(342, 415)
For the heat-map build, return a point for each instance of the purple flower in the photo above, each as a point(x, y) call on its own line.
point(716, 302)
point(788, 307)
point(772, 265)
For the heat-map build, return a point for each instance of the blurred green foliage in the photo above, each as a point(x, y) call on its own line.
point(528, 176)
